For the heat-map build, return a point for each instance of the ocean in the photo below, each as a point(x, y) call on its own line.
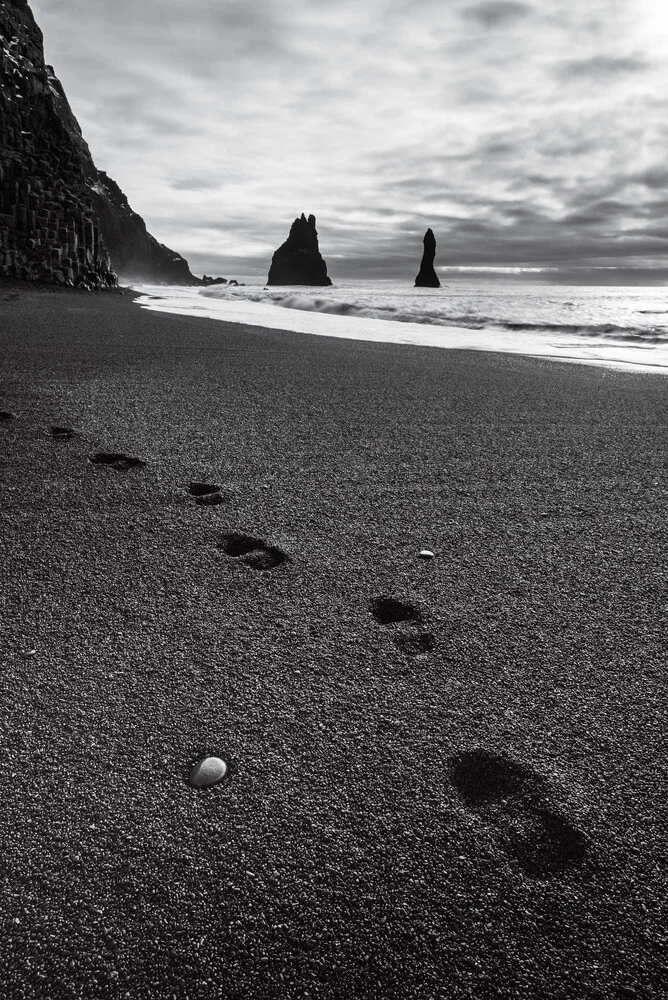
point(618, 327)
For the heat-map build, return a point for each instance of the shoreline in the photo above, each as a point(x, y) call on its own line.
point(359, 845)
point(288, 309)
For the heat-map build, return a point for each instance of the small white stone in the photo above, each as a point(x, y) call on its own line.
point(425, 554)
point(208, 772)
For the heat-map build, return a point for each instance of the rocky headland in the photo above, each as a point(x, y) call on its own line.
point(427, 277)
point(133, 250)
point(298, 261)
point(61, 219)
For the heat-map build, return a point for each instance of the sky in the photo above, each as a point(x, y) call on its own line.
point(530, 135)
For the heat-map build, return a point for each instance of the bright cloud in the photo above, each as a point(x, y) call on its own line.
point(527, 135)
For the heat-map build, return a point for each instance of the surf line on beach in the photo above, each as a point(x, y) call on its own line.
point(188, 301)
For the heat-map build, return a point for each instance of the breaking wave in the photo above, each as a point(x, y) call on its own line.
point(606, 331)
point(420, 313)
point(619, 327)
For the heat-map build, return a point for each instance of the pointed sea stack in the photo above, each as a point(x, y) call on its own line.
point(298, 260)
point(427, 278)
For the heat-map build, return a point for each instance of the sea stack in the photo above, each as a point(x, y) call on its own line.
point(298, 260)
point(427, 278)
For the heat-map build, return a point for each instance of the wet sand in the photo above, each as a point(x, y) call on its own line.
point(446, 776)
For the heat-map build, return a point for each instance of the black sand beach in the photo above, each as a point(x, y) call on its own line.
point(468, 802)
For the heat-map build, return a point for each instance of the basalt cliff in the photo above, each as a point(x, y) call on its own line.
point(427, 277)
point(298, 260)
point(61, 219)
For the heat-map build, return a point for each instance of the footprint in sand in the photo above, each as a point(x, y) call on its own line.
point(62, 433)
point(414, 644)
point(411, 641)
point(513, 799)
point(254, 552)
point(388, 611)
point(205, 494)
point(115, 460)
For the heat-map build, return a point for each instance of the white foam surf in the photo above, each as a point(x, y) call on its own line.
point(590, 326)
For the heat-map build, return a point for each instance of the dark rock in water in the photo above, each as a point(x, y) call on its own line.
point(61, 220)
point(208, 280)
point(427, 278)
point(298, 260)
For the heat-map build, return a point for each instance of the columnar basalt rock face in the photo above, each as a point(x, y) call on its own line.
point(61, 220)
point(427, 277)
point(298, 260)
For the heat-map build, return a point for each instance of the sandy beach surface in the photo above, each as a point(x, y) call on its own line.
point(446, 776)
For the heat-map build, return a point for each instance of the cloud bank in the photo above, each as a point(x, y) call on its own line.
point(526, 134)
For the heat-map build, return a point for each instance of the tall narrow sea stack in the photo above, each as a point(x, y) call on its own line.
point(61, 219)
point(427, 277)
point(298, 260)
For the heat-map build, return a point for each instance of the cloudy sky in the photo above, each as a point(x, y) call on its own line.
point(526, 133)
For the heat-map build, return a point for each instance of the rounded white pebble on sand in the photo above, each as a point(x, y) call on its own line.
point(425, 554)
point(208, 772)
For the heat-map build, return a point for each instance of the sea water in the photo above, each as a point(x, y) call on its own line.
point(622, 327)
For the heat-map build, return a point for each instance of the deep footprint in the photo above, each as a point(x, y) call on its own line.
point(114, 460)
point(481, 777)
point(254, 552)
point(388, 611)
point(545, 843)
point(202, 489)
point(511, 798)
point(62, 433)
point(205, 494)
point(210, 500)
point(415, 643)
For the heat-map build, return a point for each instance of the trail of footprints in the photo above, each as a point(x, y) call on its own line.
point(510, 798)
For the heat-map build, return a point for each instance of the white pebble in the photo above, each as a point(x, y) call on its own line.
point(426, 554)
point(207, 772)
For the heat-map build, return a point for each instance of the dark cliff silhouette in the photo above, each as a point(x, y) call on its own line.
point(298, 260)
point(134, 252)
point(427, 277)
point(61, 220)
